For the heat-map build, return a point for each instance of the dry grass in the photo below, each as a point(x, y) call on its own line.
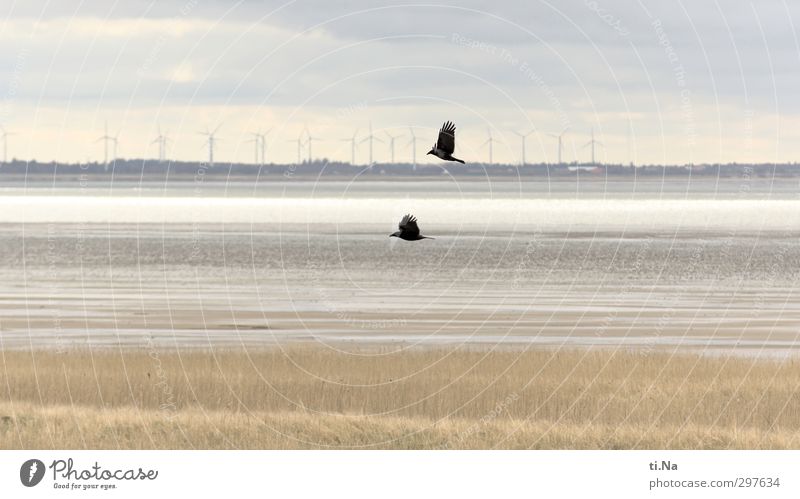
point(311, 397)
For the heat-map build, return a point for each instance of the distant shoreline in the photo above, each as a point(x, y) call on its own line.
point(146, 170)
point(243, 179)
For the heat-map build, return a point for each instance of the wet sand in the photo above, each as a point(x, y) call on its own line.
point(211, 286)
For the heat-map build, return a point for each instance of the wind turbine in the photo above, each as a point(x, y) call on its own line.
point(559, 137)
point(310, 140)
point(413, 144)
point(115, 140)
point(628, 134)
point(263, 137)
point(592, 143)
point(299, 141)
point(391, 143)
point(6, 133)
point(522, 137)
point(370, 138)
point(212, 139)
point(490, 141)
point(161, 140)
point(106, 138)
point(352, 141)
point(257, 143)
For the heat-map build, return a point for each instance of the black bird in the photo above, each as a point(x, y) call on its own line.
point(446, 144)
point(409, 230)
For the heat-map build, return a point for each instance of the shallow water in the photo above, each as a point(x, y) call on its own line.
point(704, 265)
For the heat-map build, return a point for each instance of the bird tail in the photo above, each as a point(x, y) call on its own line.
point(459, 160)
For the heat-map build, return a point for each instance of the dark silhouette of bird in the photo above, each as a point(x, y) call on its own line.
point(446, 144)
point(409, 230)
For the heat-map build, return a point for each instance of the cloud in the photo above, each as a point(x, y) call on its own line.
point(182, 73)
point(697, 70)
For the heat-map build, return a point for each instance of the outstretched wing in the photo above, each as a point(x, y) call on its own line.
point(408, 226)
point(447, 138)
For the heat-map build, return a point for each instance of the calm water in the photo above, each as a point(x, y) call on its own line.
point(698, 264)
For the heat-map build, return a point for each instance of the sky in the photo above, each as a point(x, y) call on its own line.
point(655, 82)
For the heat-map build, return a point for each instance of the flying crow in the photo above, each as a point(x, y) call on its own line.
point(446, 144)
point(409, 229)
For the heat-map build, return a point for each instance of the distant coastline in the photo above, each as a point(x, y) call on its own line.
point(152, 170)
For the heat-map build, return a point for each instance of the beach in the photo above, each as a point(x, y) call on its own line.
point(672, 306)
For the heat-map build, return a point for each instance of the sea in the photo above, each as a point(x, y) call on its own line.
point(663, 264)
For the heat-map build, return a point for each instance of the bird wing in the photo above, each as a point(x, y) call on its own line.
point(408, 226)
point(447, 138)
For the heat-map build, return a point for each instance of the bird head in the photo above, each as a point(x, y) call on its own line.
point(396, 234)
point(431, 151)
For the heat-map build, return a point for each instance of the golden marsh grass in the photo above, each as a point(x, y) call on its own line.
point(310, 397)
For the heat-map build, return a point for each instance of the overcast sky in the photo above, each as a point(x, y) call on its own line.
point(658, 81)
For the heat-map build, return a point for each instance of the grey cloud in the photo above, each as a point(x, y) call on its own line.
point(574, 58)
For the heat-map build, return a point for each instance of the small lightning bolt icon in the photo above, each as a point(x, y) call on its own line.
point(32, 471)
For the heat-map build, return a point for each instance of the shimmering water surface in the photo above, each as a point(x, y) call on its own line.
point(692, 263)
